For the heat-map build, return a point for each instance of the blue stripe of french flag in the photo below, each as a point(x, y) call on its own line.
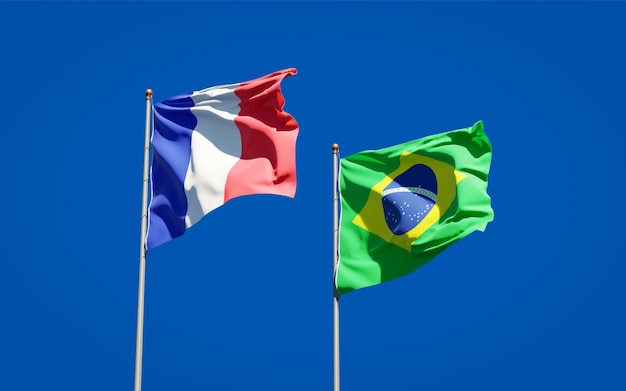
point(217, 144)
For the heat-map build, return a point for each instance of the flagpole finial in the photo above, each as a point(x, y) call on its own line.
point(335, 148)
point(148, 94)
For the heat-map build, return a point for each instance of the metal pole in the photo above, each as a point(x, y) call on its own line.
point(142, 245)
point(335, 261)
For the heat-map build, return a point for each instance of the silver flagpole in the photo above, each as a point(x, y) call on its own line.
point(335, 261)
point(142, 245)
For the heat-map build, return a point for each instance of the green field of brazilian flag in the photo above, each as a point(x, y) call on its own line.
point(403, 205)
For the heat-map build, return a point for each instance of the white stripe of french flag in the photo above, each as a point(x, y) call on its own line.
point(217, 144)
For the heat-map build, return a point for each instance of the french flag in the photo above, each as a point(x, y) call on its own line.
point(216, 144)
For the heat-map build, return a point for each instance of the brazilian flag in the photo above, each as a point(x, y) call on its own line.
point(403, 205)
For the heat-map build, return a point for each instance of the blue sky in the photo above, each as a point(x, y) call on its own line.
point(243, 301)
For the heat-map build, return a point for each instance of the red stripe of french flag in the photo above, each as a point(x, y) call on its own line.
point(268, 140)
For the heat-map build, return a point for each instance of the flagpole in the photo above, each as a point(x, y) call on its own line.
point(142, 246)
point(335, 262)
